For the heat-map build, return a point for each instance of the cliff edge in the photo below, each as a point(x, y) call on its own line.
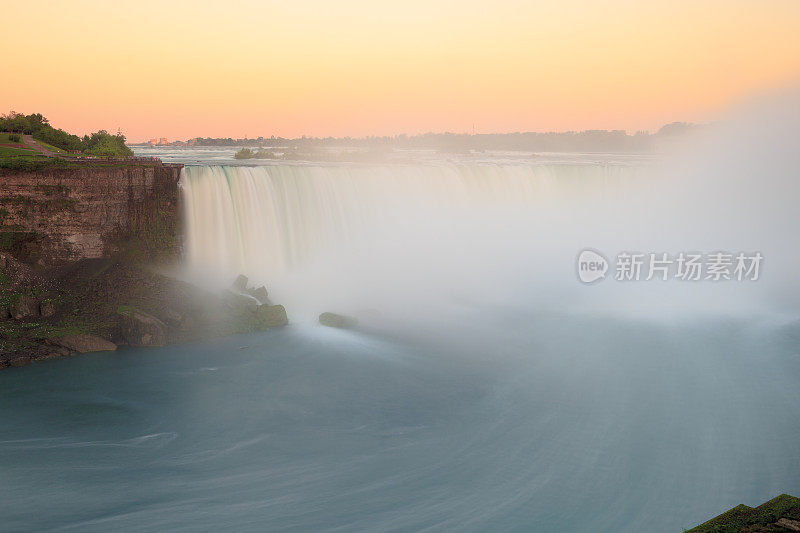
point(85, 260)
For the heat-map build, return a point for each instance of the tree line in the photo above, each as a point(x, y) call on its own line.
point(100, 143)
point(568, 141)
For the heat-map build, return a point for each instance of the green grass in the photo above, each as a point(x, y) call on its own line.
point(27, 150)
point(8, 152)
point(21, 150)
point(50, 147)
point(57, 149)
point(126, 310)
point(32, 162)
point(4, 137)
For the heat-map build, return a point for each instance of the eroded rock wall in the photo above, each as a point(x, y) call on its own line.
point(56, 216)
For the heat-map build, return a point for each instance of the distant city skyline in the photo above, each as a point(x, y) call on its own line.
point(382, 68)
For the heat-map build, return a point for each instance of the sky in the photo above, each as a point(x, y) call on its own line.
point(182, 69)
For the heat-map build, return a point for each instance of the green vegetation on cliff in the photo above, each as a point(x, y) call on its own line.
point(779, 514)
point(11, 145)
point(100, 143)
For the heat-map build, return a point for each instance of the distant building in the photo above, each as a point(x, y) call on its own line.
point(153, 142)
point(162, 140)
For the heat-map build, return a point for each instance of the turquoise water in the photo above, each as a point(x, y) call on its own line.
point(578, 424)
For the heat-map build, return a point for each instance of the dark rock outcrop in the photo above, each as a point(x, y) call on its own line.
point(83, 343)
point(23, 306)
point(259, 294)
point(120, 301)
point(240, 283)
point(140, 329)
point(272, 315)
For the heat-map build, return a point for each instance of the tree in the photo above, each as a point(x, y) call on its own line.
point(102, 143)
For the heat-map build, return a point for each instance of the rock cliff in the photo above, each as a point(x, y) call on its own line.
point(60, 215)
point(84, 256)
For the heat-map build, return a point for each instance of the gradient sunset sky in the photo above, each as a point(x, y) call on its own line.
point(184, 69)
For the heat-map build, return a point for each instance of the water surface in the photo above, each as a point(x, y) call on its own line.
point(586, 424)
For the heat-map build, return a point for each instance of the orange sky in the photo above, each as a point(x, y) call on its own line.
point(183, 69)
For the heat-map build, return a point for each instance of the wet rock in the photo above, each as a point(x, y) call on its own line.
point(259, 294)
point(23, 306)
point(140, 329)
point(172, 317)
point(20, 360)
point(239, 303)
point(83, 343)
point(272, 315)
point(50, 352)
point(47, 308)
point(334, 320)
point(240, 283)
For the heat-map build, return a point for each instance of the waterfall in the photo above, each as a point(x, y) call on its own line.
point(335, 236)
point(347, 228)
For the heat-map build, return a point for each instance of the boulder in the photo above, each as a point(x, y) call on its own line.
point(239, 303)
point(140, 329)
point(272, 315)
point(51, 351)
point(240, 283)
point(334, 320)
point(47, 308)
point(259, 294)
point(83, 342)
point(23, 306)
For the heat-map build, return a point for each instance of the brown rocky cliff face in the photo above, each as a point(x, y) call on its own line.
point(56, 216)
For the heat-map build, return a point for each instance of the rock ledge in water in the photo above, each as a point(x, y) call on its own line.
point(140, 329)
point(333, 320)
point(83, 343)
point(272, 315)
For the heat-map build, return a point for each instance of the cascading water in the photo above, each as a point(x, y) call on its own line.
point(331, 232)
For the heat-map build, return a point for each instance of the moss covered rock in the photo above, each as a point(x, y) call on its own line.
point(272, 315)
point(333, 320)
point(137, 328)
